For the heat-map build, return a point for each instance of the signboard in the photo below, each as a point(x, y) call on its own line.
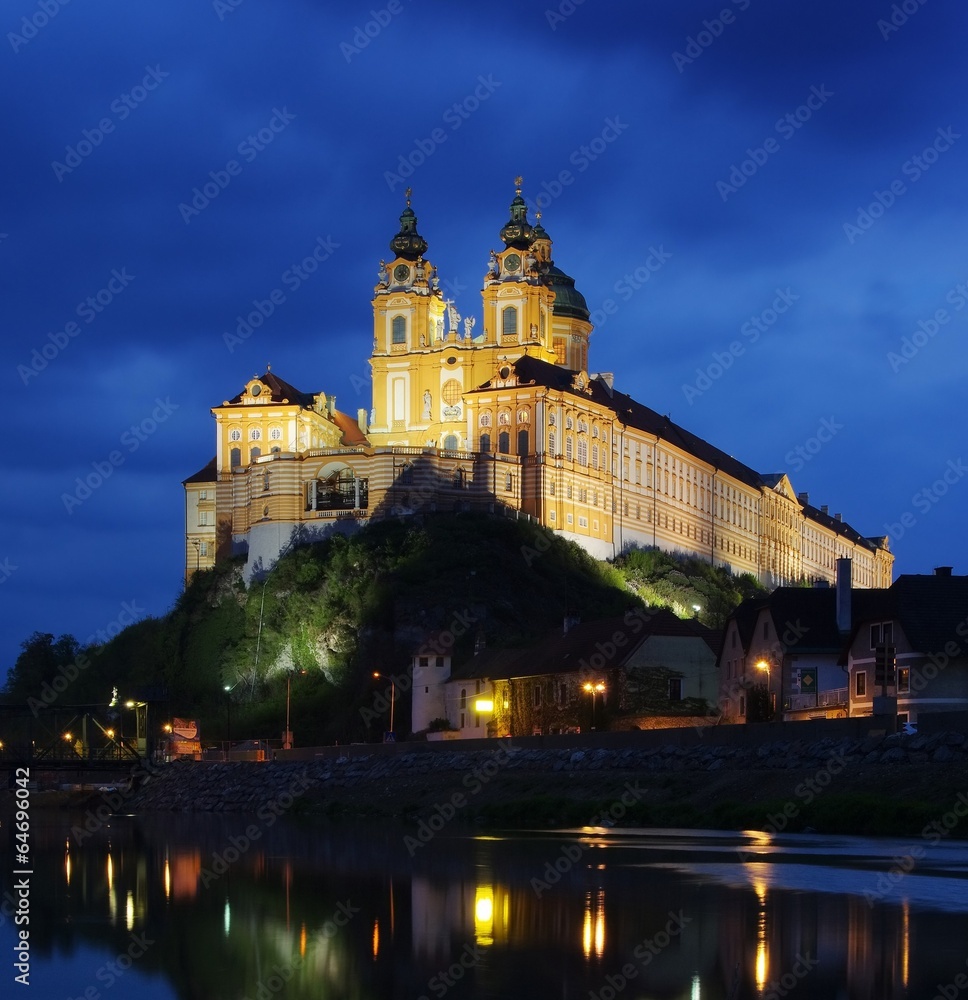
point(808, 680)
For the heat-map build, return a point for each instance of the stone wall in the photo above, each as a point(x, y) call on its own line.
point(389, 777)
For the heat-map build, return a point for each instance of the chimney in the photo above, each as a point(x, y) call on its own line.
point(942, 570)
point(824, 509)
point(804, 498)
point(838, 517)
point(608, 380)
point(843, 595)
point(361, 420)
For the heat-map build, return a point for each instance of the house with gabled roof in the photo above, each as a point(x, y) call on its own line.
point(622, 672)
point(790, 646)
point(923, 620)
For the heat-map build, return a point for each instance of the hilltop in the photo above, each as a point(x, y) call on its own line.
point(331, 613)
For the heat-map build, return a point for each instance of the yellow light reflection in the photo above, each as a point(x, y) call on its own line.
point(905, 943)
point(129, 911)
point(112, 892)
point(484, 915)
point(167, 879)
point(376, 938)
point(67, 861)
point(762, 951)
point(302, 940)
point(593, 925)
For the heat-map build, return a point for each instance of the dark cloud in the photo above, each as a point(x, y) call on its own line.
point(507, 92)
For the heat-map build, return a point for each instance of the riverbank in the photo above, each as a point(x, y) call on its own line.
point(876, 785)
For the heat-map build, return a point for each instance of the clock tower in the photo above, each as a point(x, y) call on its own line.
point(408, 322)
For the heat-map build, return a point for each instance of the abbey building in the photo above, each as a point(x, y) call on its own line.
point(497, 412)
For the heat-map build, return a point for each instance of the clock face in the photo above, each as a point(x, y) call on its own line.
point(512, 262)
point(255, 390)
point(401, 272)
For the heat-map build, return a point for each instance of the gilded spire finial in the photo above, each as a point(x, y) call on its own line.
point(409, 194)
point(518, 183)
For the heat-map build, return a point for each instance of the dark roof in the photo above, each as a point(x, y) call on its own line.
point(207, 474)
point(807, 617)
point(583, 646)
point(932, 611)
point(281, 391)
point(841, 528)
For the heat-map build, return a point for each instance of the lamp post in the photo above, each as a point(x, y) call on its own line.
point(763, 664)
point(287, 735)
point(227, 688)
point(393, 693)
point(593, 689)
point(198, 546)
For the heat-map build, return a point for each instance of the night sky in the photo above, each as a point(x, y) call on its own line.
point(762, 203)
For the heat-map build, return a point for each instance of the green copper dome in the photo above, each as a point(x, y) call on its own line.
point(568, 300)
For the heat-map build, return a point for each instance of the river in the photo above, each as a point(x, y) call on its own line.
point(225, 908)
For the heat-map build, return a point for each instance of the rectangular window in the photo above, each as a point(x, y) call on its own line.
point(203, 494)
point(537, 696)
point(203, 549)
point(439, 661)
point(424, 661)
point(860, 684)
point(903, 680)
point(675, 689)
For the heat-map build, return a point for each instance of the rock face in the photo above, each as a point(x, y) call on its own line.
point(266, 789)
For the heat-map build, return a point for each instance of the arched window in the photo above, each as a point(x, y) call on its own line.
point(552, 441)
point(265, 482)
point(463, 697)
point(522, 442)
point(504, 443)
point(254, 454)
point(451, 443)
point(569, 450)
point(509, 321)
point(485, 442)
point(582, 451)
point(398, 330)
point(594, 456)
point(235, 457)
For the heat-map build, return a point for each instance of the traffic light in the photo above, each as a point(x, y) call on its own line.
point(884, 660)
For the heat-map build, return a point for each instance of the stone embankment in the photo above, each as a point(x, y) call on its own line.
point(503, 781)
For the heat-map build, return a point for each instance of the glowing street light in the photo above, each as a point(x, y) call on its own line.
point(594, 689)
point(393, 694)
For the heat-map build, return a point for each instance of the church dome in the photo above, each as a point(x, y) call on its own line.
point(408, 243)
point(517, 232)
point(568, 300)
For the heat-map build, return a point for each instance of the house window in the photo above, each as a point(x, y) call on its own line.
point(568, 448)
point(203, 549)
point(537, 696)
point(255, 434)
point(742, 704)
point(235, 434)
point(424, 661)
point(522, 442)
point(398, 330)
point(552, 441)
point(275, 434)
point(675, 689)
point(202, 518)
point(254, 453)
point(903, 680)
point(582, 451)
point(235, 457)
point(860, 684)
point(439, 662)
point(508, 483)
point(451, 443)
point(504, 442)
point(463, 698)
point(203, 494)
point(485, 442)
point(882, 632)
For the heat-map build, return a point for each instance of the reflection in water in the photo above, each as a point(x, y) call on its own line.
point(346, 912)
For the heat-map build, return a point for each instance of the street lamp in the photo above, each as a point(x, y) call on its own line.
point(393, 693)
point(762, 664)
point(227, 688)
point(594, 689)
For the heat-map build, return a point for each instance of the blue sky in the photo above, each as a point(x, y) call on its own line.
point(761, 202)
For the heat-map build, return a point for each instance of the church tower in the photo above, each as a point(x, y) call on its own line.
point(408, 321)
point(518, 300)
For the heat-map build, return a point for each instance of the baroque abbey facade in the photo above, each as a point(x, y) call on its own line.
point(497, 413)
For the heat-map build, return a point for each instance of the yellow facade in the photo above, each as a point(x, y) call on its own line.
point(498, 413)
